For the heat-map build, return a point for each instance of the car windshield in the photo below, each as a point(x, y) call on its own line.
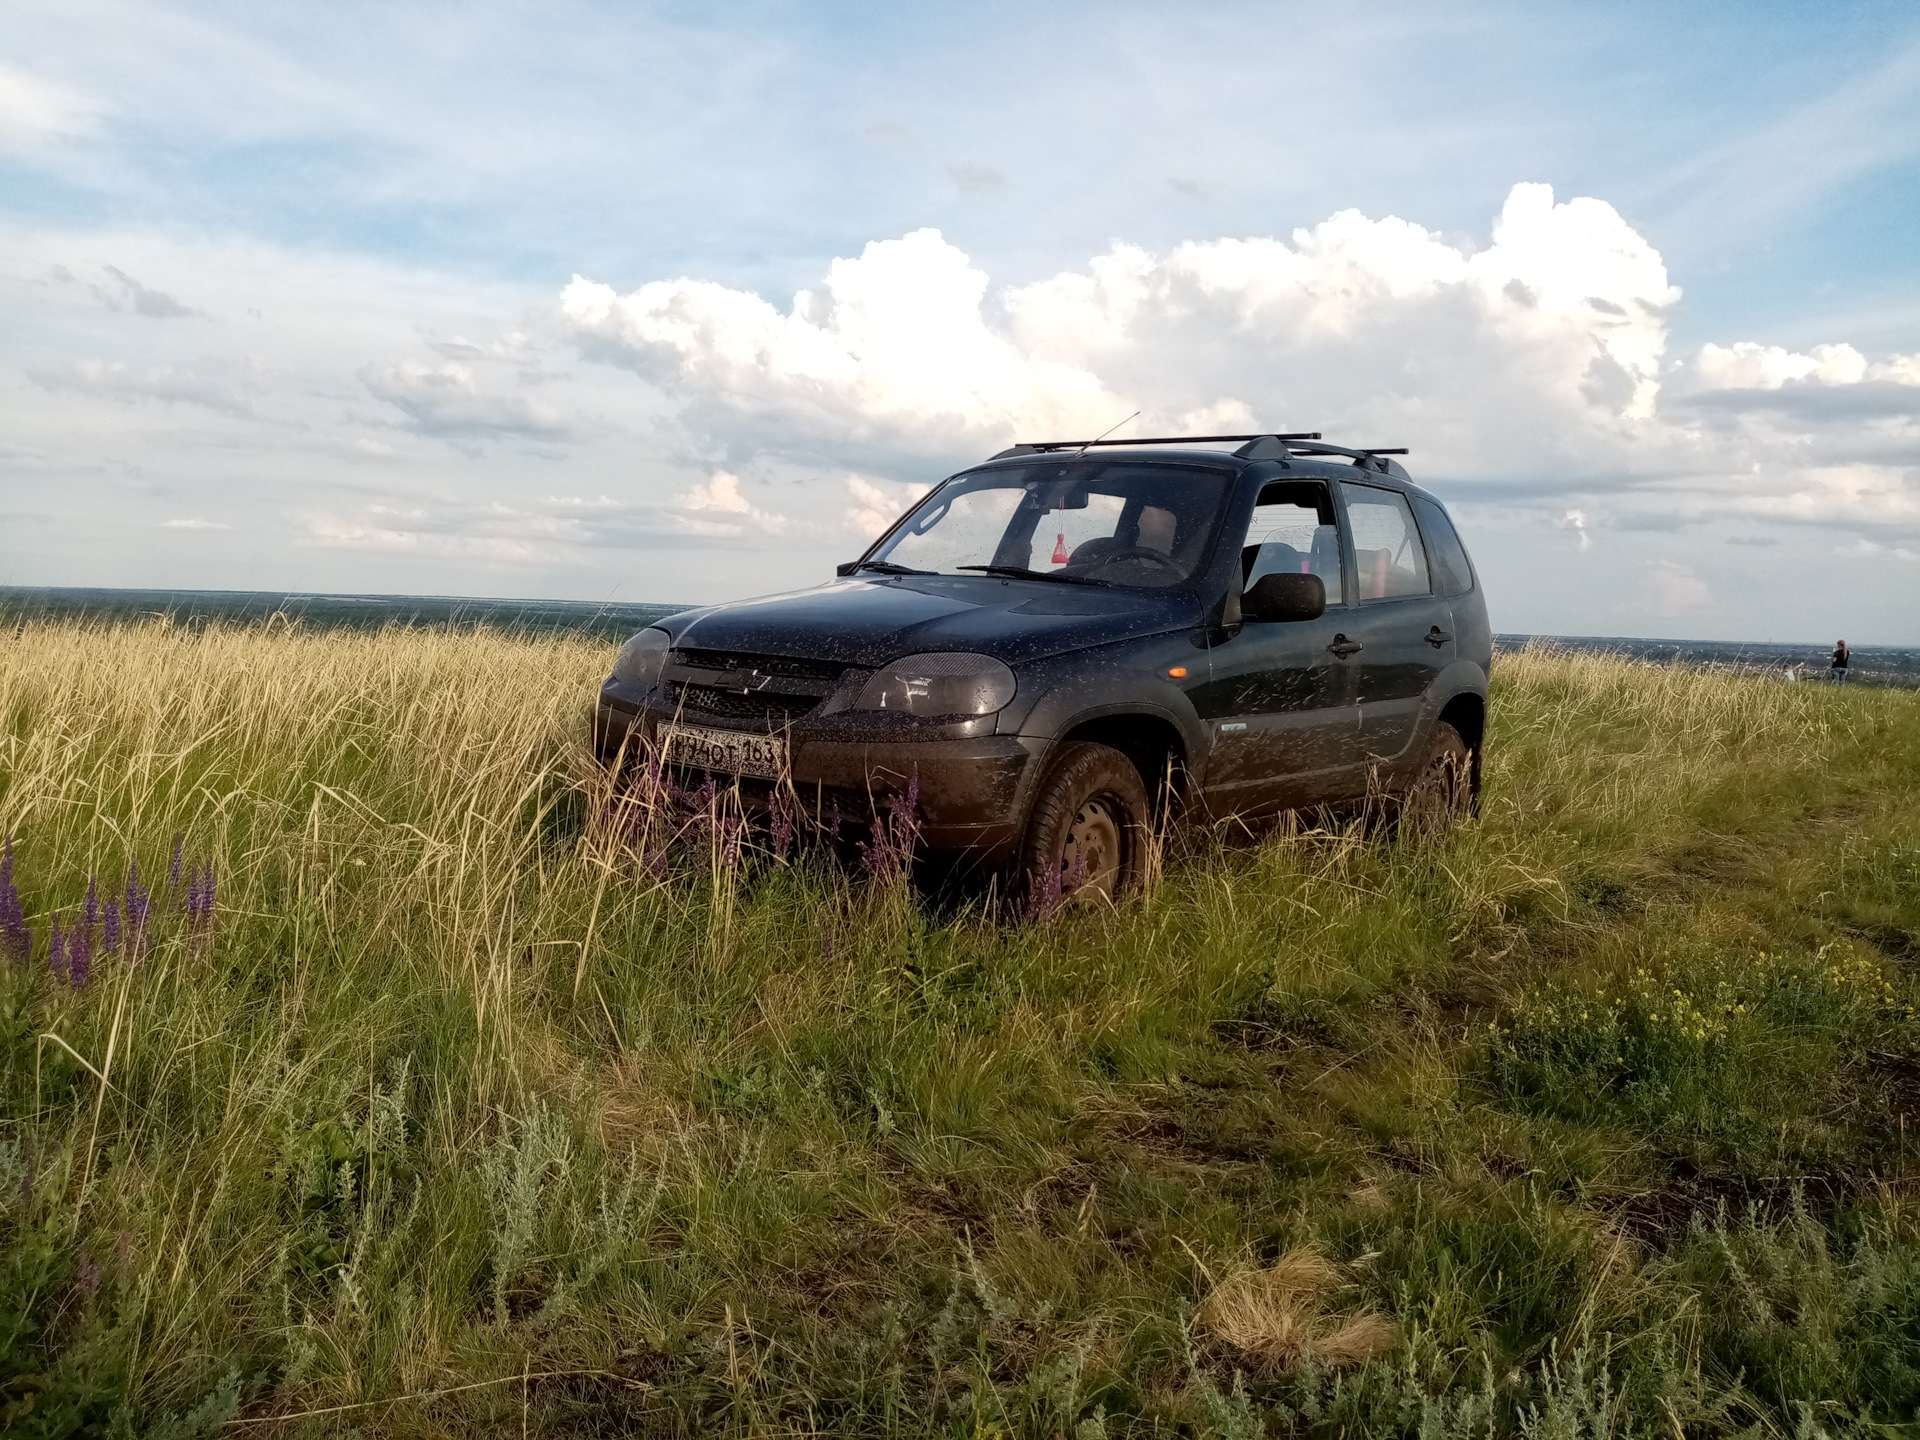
point(1099, 522)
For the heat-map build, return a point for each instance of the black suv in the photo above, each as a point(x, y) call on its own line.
point(1058, 647)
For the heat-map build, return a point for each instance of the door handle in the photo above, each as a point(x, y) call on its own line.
point(1344, 647)
point(1436, 637)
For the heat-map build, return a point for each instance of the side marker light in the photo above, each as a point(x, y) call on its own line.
point(1178, 672)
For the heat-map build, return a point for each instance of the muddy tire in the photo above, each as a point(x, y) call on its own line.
point(1442, 790)
point(1088, 831)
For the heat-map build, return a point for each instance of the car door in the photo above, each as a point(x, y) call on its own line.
point(1404, 629)
point(1279, 700)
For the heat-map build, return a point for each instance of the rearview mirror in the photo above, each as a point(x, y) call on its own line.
point(1283, 596)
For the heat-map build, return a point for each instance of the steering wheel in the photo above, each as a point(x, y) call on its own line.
point(1142, 552)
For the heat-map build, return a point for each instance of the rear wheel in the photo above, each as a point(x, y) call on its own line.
point(1087, 835)
point(1442, 791)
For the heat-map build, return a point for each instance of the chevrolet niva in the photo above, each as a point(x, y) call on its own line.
point(1061, 647)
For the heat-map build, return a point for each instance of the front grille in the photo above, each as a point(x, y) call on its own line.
point(784, 665)
point(757, 706)
point(764, 690)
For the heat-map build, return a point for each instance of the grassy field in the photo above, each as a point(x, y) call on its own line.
point(443, 1104)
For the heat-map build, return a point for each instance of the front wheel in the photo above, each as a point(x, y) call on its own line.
point(1087, 835)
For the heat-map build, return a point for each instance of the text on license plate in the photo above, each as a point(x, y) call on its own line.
point(763, 756)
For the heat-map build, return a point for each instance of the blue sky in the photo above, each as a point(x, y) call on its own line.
point(287, 295)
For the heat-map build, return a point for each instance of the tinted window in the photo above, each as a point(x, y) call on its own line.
point(1389, 560)
point(1450, 568)
point(1293, 531)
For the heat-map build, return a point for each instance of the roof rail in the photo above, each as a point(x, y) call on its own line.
point(1370, 458)
point(1270, 446)
point(1042, 447)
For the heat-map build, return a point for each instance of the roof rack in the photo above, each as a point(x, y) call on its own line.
point(1270, 446)
point(1041, 447)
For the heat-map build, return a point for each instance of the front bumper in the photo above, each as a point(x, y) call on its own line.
point(972, 789)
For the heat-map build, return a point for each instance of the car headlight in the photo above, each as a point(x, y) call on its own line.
point(641, 657)
point(939, 684)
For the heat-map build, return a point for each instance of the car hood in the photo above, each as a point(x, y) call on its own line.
point(868, 622)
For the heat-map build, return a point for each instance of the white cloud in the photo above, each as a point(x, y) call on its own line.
point(123, 292)
point(1673, 589)
point(893, 346)
point(446, 400)
point(873, 505)
point(36, 111)
point(168, 384)
point(717, 506)
point(1535, 366)
point(1375, 328)
point(1870, 550)
point(194, 523)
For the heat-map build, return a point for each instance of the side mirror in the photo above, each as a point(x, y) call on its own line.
point(1284, 596)
point(846, 567)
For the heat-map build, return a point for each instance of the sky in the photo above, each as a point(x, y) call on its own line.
point(684, 303)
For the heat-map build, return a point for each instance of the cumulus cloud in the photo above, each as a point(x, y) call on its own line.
point(446, 400)
point(717, 506)
point(1540, 352)
point(893, 348)
point(873, 505)
point(1532, 370)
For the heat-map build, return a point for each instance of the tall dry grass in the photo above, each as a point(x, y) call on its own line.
point(466, 1088)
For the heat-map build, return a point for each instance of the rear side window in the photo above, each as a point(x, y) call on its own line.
point(1389, 560)
point(1452, 573)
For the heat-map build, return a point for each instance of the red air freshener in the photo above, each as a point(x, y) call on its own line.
point(1060, 549)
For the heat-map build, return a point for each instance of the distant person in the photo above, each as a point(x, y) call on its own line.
point(1837, 667)
point(1792, 674)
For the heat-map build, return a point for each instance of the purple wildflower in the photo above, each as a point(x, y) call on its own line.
point(110, 927)
point(731, 829)
point(15, 938)
point(206, 893)
point(1045, 895)
point(90, 911)
point(782, 823)
point(139, 903)
point(79, 955)
point(173, 870)
point(895, 833)
point(57, 951)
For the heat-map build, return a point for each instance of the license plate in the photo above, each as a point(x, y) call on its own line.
point(762, 756)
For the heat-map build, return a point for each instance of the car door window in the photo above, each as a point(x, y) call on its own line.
point(1389, 561)
point(1450, 566)
point(1294, 531)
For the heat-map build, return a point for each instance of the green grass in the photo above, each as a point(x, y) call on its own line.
point(1589, 1118)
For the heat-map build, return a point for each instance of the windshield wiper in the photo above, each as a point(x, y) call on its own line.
point(887, 567)
point(1020, 572)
